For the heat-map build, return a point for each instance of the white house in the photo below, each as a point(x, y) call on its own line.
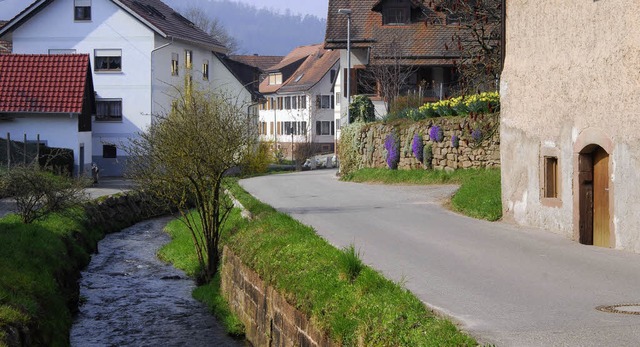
point(300, 100)
point(140, 50)
point(49, 99)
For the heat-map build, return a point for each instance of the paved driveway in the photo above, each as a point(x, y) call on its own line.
point(504, 284)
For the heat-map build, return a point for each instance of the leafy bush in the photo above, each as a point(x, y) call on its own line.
point(348, 148)
point(258, 161)
point(392, 150)
point(362, 110)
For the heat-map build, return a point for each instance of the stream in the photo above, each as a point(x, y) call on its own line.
point(129, 297)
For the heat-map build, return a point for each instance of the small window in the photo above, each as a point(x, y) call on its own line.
point(288, 128)
point(324, 128)
point(108, 59)
point(205, 70)
point(109, 110)
point(62, 51)
point(188, 58)
point(325, 101)
point(175, 64)
point(287, 103)
point(303, 102)
point(294, 102)
point(109, 151)
point(396, 15)
point(550, 177)
point(82, 10)
point(275, 78)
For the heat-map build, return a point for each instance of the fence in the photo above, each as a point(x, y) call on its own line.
point(59, 160)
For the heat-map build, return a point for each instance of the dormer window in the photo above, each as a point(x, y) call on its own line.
point(396, 12)
point(275, 78)
point(82, 10)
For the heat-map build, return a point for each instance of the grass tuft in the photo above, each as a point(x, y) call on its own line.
point(350, 263)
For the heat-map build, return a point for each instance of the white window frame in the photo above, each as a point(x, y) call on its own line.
point(109, 118)
point(109, 54)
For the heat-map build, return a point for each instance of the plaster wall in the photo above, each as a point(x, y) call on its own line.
point(571, 78)
point(55, 131)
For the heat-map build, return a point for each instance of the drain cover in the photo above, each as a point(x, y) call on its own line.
point(623, 309)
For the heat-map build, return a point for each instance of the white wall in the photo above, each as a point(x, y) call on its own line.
point(110, 28)
point(59, 130)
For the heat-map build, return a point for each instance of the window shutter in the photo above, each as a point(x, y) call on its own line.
point(333, 128)
point(318, 101)
point(318, 128)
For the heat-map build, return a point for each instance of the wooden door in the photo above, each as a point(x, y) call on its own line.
point(601, 234)
point(585, 181)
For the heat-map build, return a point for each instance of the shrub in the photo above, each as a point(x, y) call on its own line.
point(348, 148)
point(417, 147)
point(427, 155)
point(39, 193)
point(392, 150)
point(436, 133)
point(362, 110)
point(258, 161)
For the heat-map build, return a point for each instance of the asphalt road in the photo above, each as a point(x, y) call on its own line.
point(504, 284)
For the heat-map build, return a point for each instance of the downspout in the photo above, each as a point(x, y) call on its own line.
point(153, 74)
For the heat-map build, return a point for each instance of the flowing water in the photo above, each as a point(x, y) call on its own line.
point(129, 297)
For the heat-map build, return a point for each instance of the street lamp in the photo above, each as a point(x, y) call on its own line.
point(347, 11)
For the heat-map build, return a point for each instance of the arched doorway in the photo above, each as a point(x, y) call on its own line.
point(593, 182)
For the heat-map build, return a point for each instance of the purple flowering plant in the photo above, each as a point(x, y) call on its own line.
point(417, 146)
point(393, 150)
point(455, 141)
point(436, 134)
point(476, 135)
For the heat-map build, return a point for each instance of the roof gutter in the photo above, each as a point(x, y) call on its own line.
point(153, 51)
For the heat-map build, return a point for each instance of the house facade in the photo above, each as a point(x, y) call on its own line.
point(142, 52)
point(391, 33)
point(569, 107)
point(49, 99)
point(300, 101)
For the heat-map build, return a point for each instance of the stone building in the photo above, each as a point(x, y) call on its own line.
point(569, 135)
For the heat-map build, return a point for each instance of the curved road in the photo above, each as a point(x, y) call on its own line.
point(504, 284)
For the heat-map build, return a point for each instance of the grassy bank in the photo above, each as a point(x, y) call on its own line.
point(478, 196)
point(37, 262)
point(355, 306)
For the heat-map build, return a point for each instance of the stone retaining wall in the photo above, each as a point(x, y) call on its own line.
point(469, 154)
point(268, 318)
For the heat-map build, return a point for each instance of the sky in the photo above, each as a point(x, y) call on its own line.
point(9, 8)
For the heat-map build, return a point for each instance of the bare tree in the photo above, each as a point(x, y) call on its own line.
point(183, 158)
point(389, 71)
point(38, 192)
point(211, 26)
point(478, 40)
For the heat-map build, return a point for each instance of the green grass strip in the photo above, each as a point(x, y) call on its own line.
point(302, 266)
point(479, 195)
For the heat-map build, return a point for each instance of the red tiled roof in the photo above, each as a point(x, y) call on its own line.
point(311, 71)
point(43, 83)
point(419, 42)
point(316, 62)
